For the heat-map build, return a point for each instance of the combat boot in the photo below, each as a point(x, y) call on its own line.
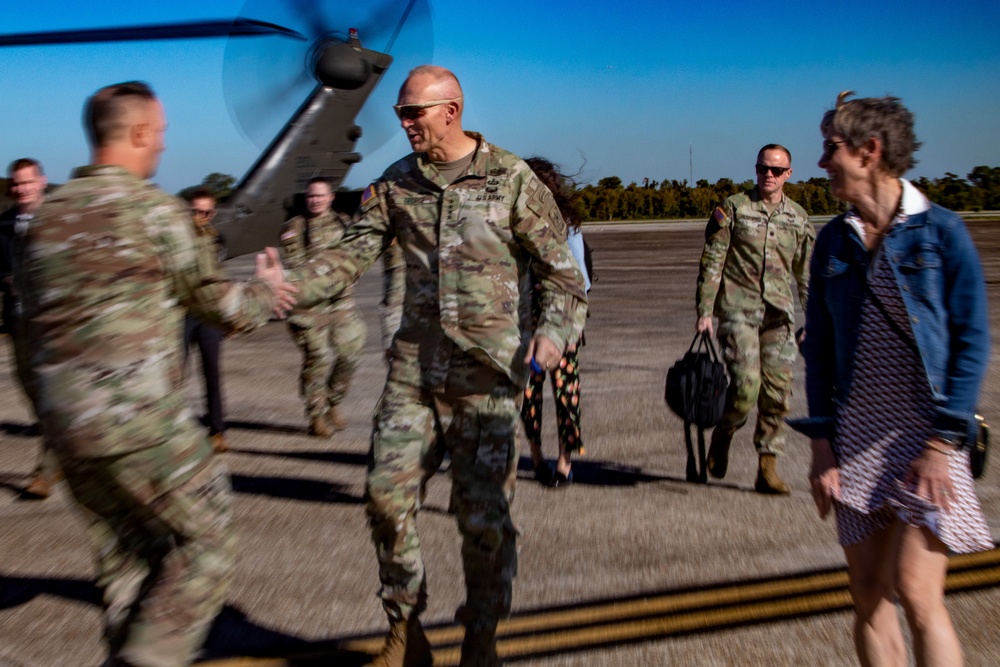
point(320, 427)
point(219, 444)
point(336, 421)
point(718, 453)
point(406, 645)
point(768, 480)
point(40, 486)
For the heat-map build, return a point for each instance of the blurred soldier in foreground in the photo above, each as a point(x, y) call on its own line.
point(470, 217)
point(27, 189)
point(211, 249)
point(330, 333)
point(110, 270)
point(756, 243)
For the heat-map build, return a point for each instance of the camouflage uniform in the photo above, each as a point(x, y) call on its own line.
point(328, 329)
point(110, 270)
point(457, 370)
point(747, 266)
point(390, 308)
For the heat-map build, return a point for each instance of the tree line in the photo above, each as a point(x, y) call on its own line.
point(610, 199)
point(652, 200)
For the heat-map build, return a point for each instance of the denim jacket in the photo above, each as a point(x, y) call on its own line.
point(941, 280)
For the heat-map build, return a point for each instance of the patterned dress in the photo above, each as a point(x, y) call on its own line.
point(884, 426)
point(565, 390)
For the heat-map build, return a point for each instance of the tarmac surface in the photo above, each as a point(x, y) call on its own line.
point(628, 565)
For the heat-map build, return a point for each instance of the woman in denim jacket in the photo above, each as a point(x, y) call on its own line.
point(896, 348)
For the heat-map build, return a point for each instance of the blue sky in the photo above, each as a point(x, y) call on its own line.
point(626, 87)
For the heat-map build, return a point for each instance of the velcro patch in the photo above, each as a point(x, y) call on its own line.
point(368, 196)
point(719, 215)
point(543, 204)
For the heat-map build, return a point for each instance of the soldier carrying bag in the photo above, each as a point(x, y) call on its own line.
point(696, 392)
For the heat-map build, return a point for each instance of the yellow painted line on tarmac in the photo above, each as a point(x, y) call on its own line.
point(656, 617)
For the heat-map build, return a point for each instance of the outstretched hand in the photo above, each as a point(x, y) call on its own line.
point(270, 270)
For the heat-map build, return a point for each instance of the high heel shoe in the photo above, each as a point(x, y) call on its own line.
point(561, 481)
point(543, 473)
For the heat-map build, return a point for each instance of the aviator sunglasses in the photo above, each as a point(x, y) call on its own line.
point(415, 111)
point(775, 171)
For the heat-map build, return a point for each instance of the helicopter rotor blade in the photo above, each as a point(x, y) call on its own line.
point(188, 30)
point(265, 81)
point(399, 26)
point(315, 22)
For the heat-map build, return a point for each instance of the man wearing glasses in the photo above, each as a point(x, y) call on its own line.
point(211, 252)
point(755, 244)
point(470, 218)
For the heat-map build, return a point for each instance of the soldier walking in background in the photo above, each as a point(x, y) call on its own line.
point(27, 189)
point(211, 250)
point(110, 271)
point(330, 334)
point(470, 218)
point(756, 243)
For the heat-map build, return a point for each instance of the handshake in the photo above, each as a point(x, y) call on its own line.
point(270, 270)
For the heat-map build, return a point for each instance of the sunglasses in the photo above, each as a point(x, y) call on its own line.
point(830, 147)
point(415, 111)
point(203, 212)
point(775, 171)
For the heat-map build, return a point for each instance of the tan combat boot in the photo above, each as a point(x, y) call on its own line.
point(336, 421)
point(219, 444)
point(320, 427)
point(40, 486)
point(718, 453)
point(768, 480)
point(406, 645)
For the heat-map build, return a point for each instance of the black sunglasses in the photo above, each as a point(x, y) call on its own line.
point(775, 171)
point(830, 147)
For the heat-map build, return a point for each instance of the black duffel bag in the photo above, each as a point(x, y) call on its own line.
point(696, 392)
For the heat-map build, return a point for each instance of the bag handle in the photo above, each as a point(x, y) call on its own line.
point(704, 342)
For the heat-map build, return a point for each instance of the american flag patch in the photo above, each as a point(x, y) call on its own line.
point(290, 234)
point(368, 194)
point(719, 215)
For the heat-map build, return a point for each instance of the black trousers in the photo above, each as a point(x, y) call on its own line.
point(209, 340)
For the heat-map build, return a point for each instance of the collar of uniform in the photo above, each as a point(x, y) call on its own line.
point(91, 170)
point(478, 167)
point(324, 217)
point(756, 198)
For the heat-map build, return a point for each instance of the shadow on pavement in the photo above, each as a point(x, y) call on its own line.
point(25, 430)
point(298, 429)
point(15, 591)
point(234, 635)
point(326, 455)
point(294, 488)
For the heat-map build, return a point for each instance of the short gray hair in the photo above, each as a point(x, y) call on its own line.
point(885, 118)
